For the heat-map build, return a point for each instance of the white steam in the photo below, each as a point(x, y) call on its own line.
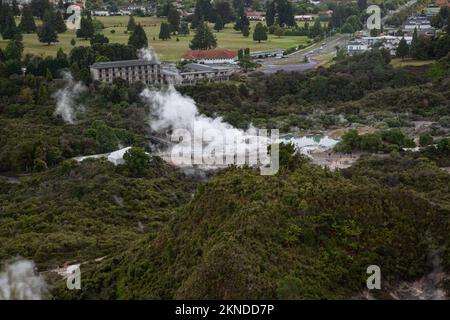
point(66, 106)
point(148, 54)
point(19, 281)
point(172, 111)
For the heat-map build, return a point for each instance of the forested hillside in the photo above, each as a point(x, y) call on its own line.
point(306, 233)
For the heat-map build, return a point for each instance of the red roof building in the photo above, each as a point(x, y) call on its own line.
point(443, 3)
point(211, 56)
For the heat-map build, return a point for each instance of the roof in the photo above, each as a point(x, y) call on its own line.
point(122, 63)
point(254, 13)
point(202, 67)
point(209, 54)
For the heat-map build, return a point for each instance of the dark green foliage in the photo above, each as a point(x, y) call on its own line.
point(184, 29)
point(138, 38)
point(164, 32)
point(303, 234)
point(47, 32)
point(80, 212)
point(86, 30)
point(99, 39)
point(137, 161)
point(60, 24)
point(173, 18)
point(402, 49)
point(131, 24)
point(260, 33)
point(203, 38)
point(270, 13)
point(219, 23)
point(27, 24)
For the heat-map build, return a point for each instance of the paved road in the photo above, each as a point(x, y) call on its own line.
point(272, 65)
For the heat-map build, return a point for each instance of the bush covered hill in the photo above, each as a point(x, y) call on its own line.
point(79, 212)
point(305, 233)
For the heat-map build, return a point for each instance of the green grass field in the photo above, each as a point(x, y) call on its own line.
point(170, 50)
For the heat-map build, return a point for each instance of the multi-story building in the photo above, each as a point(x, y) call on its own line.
point(195, 72)
point(366, 43)
point(420, 23)
point(139, 70)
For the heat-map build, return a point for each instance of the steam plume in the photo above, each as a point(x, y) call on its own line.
point(172, 111)
point(148, 54)
point(19, 281)
point(65, 99)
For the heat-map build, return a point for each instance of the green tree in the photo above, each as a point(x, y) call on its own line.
point(47, 32)
point(270, 13)
point(203, 38)
point(39, 7)
point(99, 38)
point(347, 28)
point(246, 31)
point(402, 49)
point(8, 28)
point(60, 24)
point(27, 24)
point(131, 24)
point(136, 160)
point(164, 32)
point(413, 50)
point(138, 38)
point(173, 18)
point(184, 28)
point(219, 24)
point(86, 30)
point(425, 139)
point(224, 10)
point(13, 50)
point(260, 33)
point(279, 31)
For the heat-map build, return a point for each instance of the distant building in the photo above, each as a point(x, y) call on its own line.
point(357, 46)
point(101, 13)
point(366, 43)
point(211, 56)
point(442, 3)
point(139, 70)
point(303, 18)
point(255, 16)
point(195, 72)
point(422, 23)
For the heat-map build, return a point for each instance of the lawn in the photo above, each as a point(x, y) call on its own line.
point(170, 50)
point(398, 62)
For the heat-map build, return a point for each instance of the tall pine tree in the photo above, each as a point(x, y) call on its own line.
point(47, 32)
point(260, 33)
point(86, 30)
point(27, 24)
point(173, 17)
point(164, 32)
point(60, 24)
point(203, 38)
point(270, 14)
point(219, 24)
point(138, 39)
point(131, 24)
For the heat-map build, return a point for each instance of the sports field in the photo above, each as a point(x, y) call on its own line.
point(170, 50)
